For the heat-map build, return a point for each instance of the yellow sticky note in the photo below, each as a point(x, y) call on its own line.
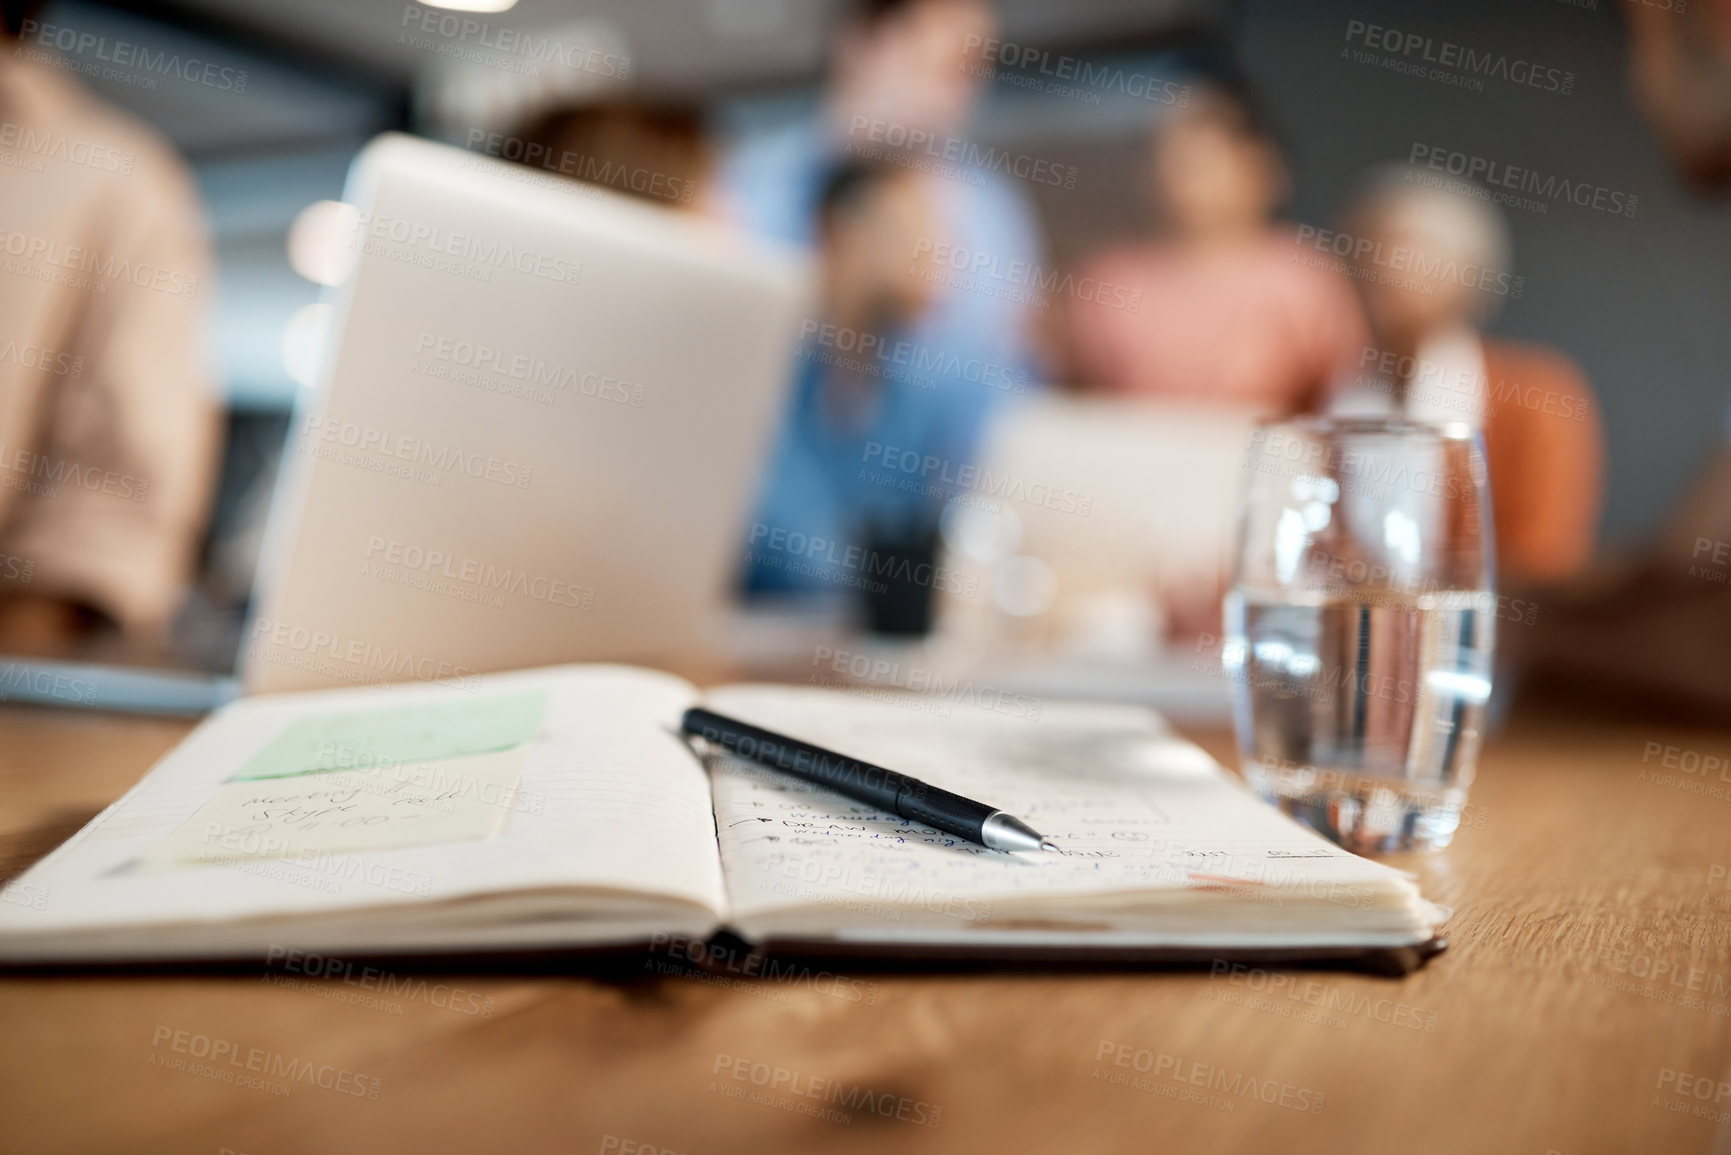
point(385, 808)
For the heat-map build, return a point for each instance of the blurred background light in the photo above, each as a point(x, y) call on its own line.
point(322, 242)
point(303, 343)
point(473, 5)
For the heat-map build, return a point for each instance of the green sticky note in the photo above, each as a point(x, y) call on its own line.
point(399, 735)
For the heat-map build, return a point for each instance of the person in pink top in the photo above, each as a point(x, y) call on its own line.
point(1231, 309)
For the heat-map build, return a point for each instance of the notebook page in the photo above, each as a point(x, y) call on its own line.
point(1141, 815)
point(606, 797)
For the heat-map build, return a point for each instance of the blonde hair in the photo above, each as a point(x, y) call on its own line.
point(1457, 212)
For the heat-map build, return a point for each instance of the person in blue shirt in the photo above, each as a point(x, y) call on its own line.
point(849, 469)
point(944, 351)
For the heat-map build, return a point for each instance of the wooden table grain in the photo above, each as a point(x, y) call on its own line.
point(1584, 1006)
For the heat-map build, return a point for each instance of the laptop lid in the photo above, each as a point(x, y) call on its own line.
point(539, 424)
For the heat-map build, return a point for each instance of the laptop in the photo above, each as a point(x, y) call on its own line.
point(535, 434)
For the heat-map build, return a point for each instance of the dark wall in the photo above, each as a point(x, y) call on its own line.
point(1643, 303)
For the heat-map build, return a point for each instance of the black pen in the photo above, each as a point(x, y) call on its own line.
point(863, 782)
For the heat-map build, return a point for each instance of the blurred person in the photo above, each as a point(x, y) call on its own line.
point(852, 404)
point(1231, 308)
point(1650, 628)
point(108, 431)
point(910, 70)
point(660, 153)
point(1680, 76)
point(1432, 258)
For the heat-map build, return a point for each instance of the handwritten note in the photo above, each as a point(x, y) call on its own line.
point(449, 800)
point(1142, 819)
point(398, 735)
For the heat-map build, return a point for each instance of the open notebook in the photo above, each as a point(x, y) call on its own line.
point(559, 810)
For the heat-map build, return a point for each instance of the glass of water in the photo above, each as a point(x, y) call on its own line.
point(1360, 625)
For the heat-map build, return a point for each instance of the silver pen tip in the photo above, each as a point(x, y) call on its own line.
point(1048, 844)
point(1002, 831)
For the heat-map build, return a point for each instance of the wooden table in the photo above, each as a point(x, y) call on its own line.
point(1580, 877)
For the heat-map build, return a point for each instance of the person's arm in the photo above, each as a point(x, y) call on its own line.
point(1089, 350)
point(133, 440)
point(1339, 339)
point(1547, 465)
